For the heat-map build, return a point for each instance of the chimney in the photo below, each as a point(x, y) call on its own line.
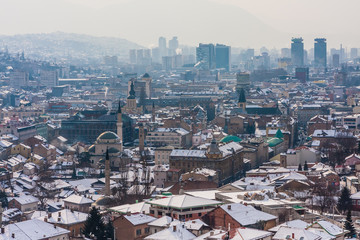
point(283, 160)
point(45, 219)
point(128, 213)
point(174, 228)
point(194, 221)
point(2, 230)
point(59, 213)
point(143, 212)
point(13, 235)
point(229, 207)
point(59, 219)
point(211, 233)
point(49, 215)
point(293, 235)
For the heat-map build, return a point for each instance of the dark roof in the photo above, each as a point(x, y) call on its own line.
point(263, 111)
point(146, 75)
point(108, 135)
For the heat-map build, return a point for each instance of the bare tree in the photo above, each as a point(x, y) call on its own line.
point(324, 196)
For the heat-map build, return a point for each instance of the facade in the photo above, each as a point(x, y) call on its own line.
point(182, 207)
point(320, 53)
point(49, 78)
point(242, 81)
point(223, 56)
point(176, 137)
point(19, 79)
point(78, 203)
point(162, 155)
point(132, 226)
point(226, 159)
point(205, 56)
point(297, 52)
point(25, 203)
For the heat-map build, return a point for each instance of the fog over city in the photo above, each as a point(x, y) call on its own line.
point(240, 23)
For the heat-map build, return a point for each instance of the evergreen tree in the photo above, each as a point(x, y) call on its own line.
point(3, 199)
point(349, 226)
point(344, 202)
point(306, 167)
point(300, 167)
point(94, 225)
point(109, 230)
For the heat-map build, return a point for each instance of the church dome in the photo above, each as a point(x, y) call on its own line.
point(108, 136)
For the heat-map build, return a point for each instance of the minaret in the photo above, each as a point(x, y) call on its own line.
point(107, 173)
point(141, 138)
point(153, 112)
point(119, 124)
point(242, 100)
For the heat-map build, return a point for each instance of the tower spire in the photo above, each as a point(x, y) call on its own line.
point(107, 173)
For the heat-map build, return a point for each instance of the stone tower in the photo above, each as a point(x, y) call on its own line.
point(242, 99)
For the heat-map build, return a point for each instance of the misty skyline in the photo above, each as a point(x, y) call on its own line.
point(238, 23)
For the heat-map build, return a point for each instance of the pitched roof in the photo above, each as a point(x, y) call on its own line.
point(246, 215)
point(66, 217)
point(183, 201)
point(78, 199)
point(180, 233)
point(286, 232)
point(250, 234)
point(137, 219)
point(31, 230)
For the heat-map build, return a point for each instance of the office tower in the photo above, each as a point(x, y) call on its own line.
point(178, 61)
point(353, 53)
point(167, 63)
point(223, 56)
point(155, 52)
point(162, 46)
point(132, 56)
point(19, 79)
point(49, 78)
point(249, 54)
point(205, 56)
point(139, 56)
point(320, 53)
point(306, 57)
point(173, 45)
point(285, 52)
point(336, 60)
point(297, 52)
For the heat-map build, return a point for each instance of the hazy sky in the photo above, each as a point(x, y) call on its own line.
point(242, 23)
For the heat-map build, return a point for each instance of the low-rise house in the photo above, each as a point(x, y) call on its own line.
point(174, 232)
point(182, 207)
point(295, 233)
point(78, 203)
point(249, 234)
point(68, 219)
point(33, 230)
point(239, 215)
point(132, 226)
point(25, 203)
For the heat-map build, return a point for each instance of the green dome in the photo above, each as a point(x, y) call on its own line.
point(113, 150)
point(108, 136)
point(230, 138)
point(274, 141)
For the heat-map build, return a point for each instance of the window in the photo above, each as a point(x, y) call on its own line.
point(147, 230)
point(138, 232)
point(199, 214)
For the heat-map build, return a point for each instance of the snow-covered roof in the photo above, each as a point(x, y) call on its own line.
point(66, 217)
point(32, 229)
point(161, 222)
point(330, 228)
point(246, 215)
point(25, 199)
point(137, 219)
point(184, 201)
point(132, 208)
point(78, 199)
point(177, 232)
point(295, 176)
point(250, 234)
point(287, 232)
point(293, 224)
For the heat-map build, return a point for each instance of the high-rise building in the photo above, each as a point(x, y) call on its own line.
point(297, 52)
point(173, 45)
point(336, 60)
point(205, 56)
point(132, 56)
point(302, 74)
point(19, 79)
point(162, 47)
point(223, 56)
point(49, 78)
point(353, 53)
point(320, 53)
point(285, 52)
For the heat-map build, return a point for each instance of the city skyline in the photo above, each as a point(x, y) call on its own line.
point(257, 23)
